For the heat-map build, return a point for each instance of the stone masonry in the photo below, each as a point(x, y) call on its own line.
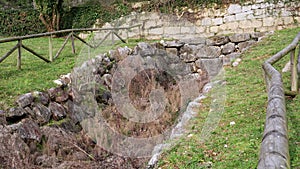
point(249, 17)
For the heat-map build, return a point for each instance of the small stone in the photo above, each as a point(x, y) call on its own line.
point(107, 79)
point(57, 110)
point(144, 49)
point(172, 51)
point(58, 94)
point(217, 41)
point(245, 45)
point(287, 67)
point(228, 48)
point(208, 51)
point(29, 130)
point(238, 60)
point(25, 100)
point(2, 118)
point(15, 114)
point(41, 97)
point(42, 113)
point(234, 64)
point(239, 37)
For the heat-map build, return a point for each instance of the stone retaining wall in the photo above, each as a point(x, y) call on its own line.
point(252, 16)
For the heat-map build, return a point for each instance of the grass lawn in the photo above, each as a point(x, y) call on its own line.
point(238, 145)
point(37, 75)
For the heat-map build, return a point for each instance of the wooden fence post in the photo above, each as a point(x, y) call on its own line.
point(19, 54)
point(50, 48)
point(112, 38)
point(294, 72)
point(72, 40)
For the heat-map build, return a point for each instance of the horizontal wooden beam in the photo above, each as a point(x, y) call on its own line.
point(9, 52)
point(36, 54)
point(64, 31)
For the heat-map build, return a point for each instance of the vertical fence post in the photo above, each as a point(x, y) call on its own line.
point(127, 36)
point(19, 54)
point(294, 72)
point(50, 48)
point(72, 40)
point(140, 36)
point(112, 38)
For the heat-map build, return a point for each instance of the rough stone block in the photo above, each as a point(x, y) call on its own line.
point(214, 29)
point(217, 21)
point(259, 12)
point(234, 8)
point(232, 25)
point(229, 18)
point(288, 20)
point(256, 23)
point(285, 13)
point(190, 29)
point(239, 37)
point(246, 8)
point(206, 22)
point(245, 24)
point(217, 40)
point(208, 51)
point(241, 16)
point(150, 24)
point(213, 66)
point(25, 100)
point(200, 29)
point(268, 21)
point(156, 31)
point(255, 6)
point(172, 30)
point(228, 48)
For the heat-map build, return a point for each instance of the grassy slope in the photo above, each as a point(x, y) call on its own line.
point(237, 146)
point(37, 75)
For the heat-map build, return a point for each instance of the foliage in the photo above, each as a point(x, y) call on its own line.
point(16, 22)
point(50, 13)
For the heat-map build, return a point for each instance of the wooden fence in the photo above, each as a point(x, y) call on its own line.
point(274, 151)
point(71, 36)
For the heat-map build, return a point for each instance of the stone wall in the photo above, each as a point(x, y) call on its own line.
point(249, 17)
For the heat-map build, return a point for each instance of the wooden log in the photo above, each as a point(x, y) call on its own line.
point(112, 39)
point(285, 51)
point(73, 44)
point(19, 54)
point(50, 48)
point(274, 152)
point(64, 31)
point(9, 52)
point(274, 147)
point(83, 41)
point(294, 72)
point(105, 37)
point(63, 46)
point(36, 54)
point(119, 37)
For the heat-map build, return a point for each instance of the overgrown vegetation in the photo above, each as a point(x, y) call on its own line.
point(237, 146)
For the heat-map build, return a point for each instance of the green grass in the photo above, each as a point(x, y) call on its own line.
point(238, 146)
point(37, 75)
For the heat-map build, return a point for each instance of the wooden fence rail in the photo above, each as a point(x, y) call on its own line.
point(274, 151)
point(71, 36)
